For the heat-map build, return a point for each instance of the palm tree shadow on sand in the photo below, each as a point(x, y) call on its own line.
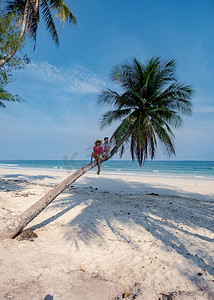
point(155, 213)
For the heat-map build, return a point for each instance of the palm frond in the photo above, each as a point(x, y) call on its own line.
point(176, 97)
point(114, 115)
point(16, 6)
point(122, 150)
point(64, 14)
point(108, 97)
point(165, 138)
point(150, 106)
point(49, 22)
point(31, 10)
point(124, 130)
point(166, 116)
point(124, 76)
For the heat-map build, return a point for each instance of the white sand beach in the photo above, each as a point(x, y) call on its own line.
point(109, 237)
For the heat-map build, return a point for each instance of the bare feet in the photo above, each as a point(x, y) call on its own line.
point(98, 173)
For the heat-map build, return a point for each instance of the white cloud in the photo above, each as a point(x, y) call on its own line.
point(74, 80)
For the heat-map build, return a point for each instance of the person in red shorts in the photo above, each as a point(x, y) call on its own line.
point(97, 152)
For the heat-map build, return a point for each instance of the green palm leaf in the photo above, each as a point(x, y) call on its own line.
point(35, 8)
point(149, 107)
point(49, 22)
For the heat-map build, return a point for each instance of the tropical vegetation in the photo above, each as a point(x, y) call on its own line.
point(148, 105)
point(28, 14)
point(9, 39)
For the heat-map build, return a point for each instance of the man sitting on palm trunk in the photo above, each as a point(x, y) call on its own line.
point(106, 148)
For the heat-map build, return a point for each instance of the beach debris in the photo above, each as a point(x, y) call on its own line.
point(180, 295)
point(97, 276)
point(132, 294)
point(166, 296)
point(20, 194)
point(120, 228)
point(81, 269)
point(153, 194)
point(126, 295)
point(28, 235)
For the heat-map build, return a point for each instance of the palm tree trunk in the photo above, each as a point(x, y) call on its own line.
point(11, 230)
point(28, 215)
point(21, 34)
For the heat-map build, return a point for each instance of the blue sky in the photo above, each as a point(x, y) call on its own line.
point(61, 115)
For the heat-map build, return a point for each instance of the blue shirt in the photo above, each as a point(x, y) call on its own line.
point(107, 146)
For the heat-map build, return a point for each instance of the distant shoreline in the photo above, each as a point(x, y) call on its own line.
point(196, 187)
point(174, 169)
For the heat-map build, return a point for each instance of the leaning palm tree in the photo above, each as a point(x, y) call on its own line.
point(28, 13)
point(149, 106)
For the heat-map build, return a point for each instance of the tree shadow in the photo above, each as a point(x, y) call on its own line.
point(48, 297)
point(9, 185)
point(124, 186)
point(27, 177)
point(155, 213)
point(17, 182)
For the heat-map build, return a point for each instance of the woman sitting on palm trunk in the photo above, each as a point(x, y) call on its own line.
point(97, 152)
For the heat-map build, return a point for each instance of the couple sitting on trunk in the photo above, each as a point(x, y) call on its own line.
point(100, 150)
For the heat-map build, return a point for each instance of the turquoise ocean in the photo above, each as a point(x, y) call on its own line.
point(193, 169)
